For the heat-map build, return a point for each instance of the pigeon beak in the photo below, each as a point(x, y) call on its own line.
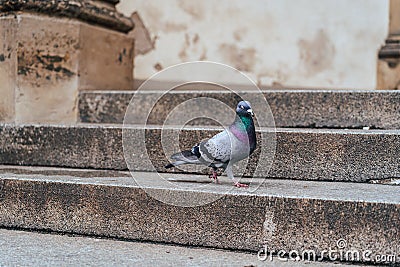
point(250, 111)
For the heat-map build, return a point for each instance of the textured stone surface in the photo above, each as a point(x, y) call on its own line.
point(143, 41)
point(288, 215)
point(103, 107)
point(106, 59)
point(333, 155)
point(291, 108)
point(47, 64)
point(50, 59)
point(389, 73)
point(35, 249)
point(92, 11)
point(8, 70)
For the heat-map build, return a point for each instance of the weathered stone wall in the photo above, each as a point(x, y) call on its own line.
point(389, 55)
point(45, 61)
point(305, 43)
point(8, 69)
point(101, 13)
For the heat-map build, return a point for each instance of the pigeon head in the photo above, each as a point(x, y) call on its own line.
point(244, 109)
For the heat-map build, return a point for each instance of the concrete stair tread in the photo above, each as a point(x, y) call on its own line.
point(37, 249)
point(284, 215)
point(305, 154)
point(283, 188)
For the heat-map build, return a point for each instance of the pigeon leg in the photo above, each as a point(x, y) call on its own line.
point(229, 172)
point(214, 176)
point(237, 184)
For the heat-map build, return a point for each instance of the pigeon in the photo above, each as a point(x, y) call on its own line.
point(224, 149)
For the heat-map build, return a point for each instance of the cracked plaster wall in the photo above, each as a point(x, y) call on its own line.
point(304, 43)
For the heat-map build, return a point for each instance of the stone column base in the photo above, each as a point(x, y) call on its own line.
point(389, 64)
point(45, 61)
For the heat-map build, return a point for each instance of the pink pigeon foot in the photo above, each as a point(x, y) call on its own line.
point(241, 185)
point(214, 176)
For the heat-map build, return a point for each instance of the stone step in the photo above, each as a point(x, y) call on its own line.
point(290, 108)
point(307, 154)
point(300, 217)
point(59, 250)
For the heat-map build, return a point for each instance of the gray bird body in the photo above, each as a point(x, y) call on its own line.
point(235, 143)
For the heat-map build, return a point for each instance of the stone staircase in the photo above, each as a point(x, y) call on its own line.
point(330, 187)
point(329, 192)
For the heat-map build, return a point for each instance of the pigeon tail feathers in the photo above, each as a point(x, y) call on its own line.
point(184, 157)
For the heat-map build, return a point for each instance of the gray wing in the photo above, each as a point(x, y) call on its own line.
point(217, 150)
